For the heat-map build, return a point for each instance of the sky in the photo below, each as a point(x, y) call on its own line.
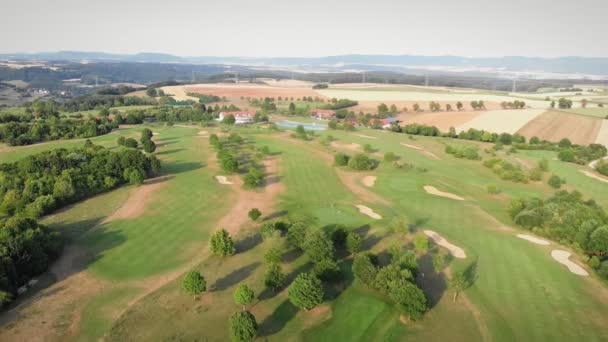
point(313, 28)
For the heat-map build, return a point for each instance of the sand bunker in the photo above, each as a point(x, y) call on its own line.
point(364, 136)
point(593, 175)
point(456, 251)
point(223, 180)
point(369, 181)
point(563, 257)
point(433, 191)
point(533, 239)
point(203, 133)
point(368, 211)
point(351, 146)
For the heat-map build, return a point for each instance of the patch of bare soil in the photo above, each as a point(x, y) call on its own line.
point(434, 191)
point(369, 181)
point(136, 204)
point(263, 199)
point(351, 147)
point(364, 136)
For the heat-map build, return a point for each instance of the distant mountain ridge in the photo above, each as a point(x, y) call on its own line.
point(573, 65)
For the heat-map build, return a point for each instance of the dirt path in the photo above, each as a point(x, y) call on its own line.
point(594, 176)
point(263, 199)
point(136, 203)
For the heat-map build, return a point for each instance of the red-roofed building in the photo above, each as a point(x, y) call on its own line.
point(240, 118)
point(323, 114)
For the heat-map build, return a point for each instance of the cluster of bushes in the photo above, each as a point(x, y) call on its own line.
point(513, 105)
point(320, 86)
point(568, 218)
point(301, 133)
point(346, 126)
point(146, 140)
point(417, 129)
point(95, 101)
point(359, 161)
point(336, 104)
point(506, 170)
point(467, 152)
point(478, 104)
point(602, 167)
point(395, 280)
point(580, 154)
point(24, 133)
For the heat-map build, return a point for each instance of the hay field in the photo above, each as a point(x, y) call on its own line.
point(602, 135)
point(251, 90)
point(421, 96)
point(554, 126)
point(441, 120)
point(501, 121)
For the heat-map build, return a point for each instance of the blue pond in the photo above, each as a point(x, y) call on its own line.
point(308, 126)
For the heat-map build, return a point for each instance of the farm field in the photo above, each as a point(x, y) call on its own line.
point(602, 136)
point(441, 120)
point(596, 112)
point(509, 121)
point(554, 125)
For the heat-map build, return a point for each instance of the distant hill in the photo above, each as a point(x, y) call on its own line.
point(564, 65)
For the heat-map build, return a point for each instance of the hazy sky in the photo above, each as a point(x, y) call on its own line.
point(308, 28)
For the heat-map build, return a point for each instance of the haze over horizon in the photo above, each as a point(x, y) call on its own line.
point(265, 29)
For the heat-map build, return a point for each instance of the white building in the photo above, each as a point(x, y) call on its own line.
point(240, 118)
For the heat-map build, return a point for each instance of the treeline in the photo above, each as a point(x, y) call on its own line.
point(336, 104)
point(25, 133)
point(196, 112)
point(96, 101)
point(37, 185)
point(568, 218)
point(205, 99)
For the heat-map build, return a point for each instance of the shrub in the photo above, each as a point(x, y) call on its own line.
point(410, 300)
point(194, 283)
point(254, 214)
point(353, 242)
point(364, 269)
point(131, 143)
point(421, 243)
point(555, 182)
point(221, 243)
point(274, 277)
point(243, 326)
point(341, 159)
point(318, 246)
point(243, 295)
point(361, 162)
point(306, 291)
point(327, 269)
point(390, 157)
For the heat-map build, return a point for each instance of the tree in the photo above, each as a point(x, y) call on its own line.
point(327, 269)
point(149, 146)
point(243, 326)
point(146, 134)
point(416, 107)
point(353, 242)
point(130, 142)
point(221, 243)
point(151, 92)
point(448, 107)
point(296, 235)
point(121, 140)
point(341, 159)
point(194, 283)
point(459, 283)
point(243, 295)
point(292, 108)
point(364, 269)
point(421, 243)
point(410, 300)
point(253, 178)
point(360, 162)
point(318, 245)
point(555, 182)
point(229, 120)
point(598, 242)
point(136, 177)
point(390, 157)
point(254, 214)
point(274, 277)
point(273, 255)
point(306, 291)
point(382, 108)
point(459, 105)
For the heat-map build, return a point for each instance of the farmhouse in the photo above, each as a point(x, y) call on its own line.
point(240, 118)
point(386, 123)
point(323, 114)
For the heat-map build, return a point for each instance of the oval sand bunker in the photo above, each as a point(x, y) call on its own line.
point(368, 211)
point(456, 251)
point(433, 191)
point(223, 180)
point(533, 239)
point(563, 257)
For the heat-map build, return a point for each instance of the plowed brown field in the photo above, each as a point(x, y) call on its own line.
point(554, 126)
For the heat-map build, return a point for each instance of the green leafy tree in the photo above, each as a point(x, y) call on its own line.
point(340, 159)
point(254, 214)
point(194, 283)
point(131, 143)
point(364, 269)
point(598, 243)
point(121, 140)
point(459, 105)
point(361, 162)
point(353, 242)
point(243, 327)
point(274, 277)
point(421, 243)
point(273, 255)
point(555, 181)
point(151, 92)
point(296, 235)
point(243, 295)
point(221, 243)
point(327, 270)
point(318, 245)
point(149, 146)
point(146, 134)
point(306, 291)
point(459, 283)
point(229, 120)
point(410, 300)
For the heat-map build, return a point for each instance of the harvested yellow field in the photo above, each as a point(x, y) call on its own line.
point(602, 135)
point(421, 96)
point(554, 126)
point(501, 121)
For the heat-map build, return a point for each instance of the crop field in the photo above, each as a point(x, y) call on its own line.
point(554, 125)
point(120, 276)
point(602, 136)
point(596, 112)
point(509, 121)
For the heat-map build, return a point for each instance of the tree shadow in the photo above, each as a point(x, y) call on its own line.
point(292, 255)
point(369, 242)
point(284, 313)
point(433, 284)
point(419, 222)
point(175, 150)
point(176, 168)
point(363, 230)
point(470, 273)
point(249, 242)
point(275, 215)
point(235, 277)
